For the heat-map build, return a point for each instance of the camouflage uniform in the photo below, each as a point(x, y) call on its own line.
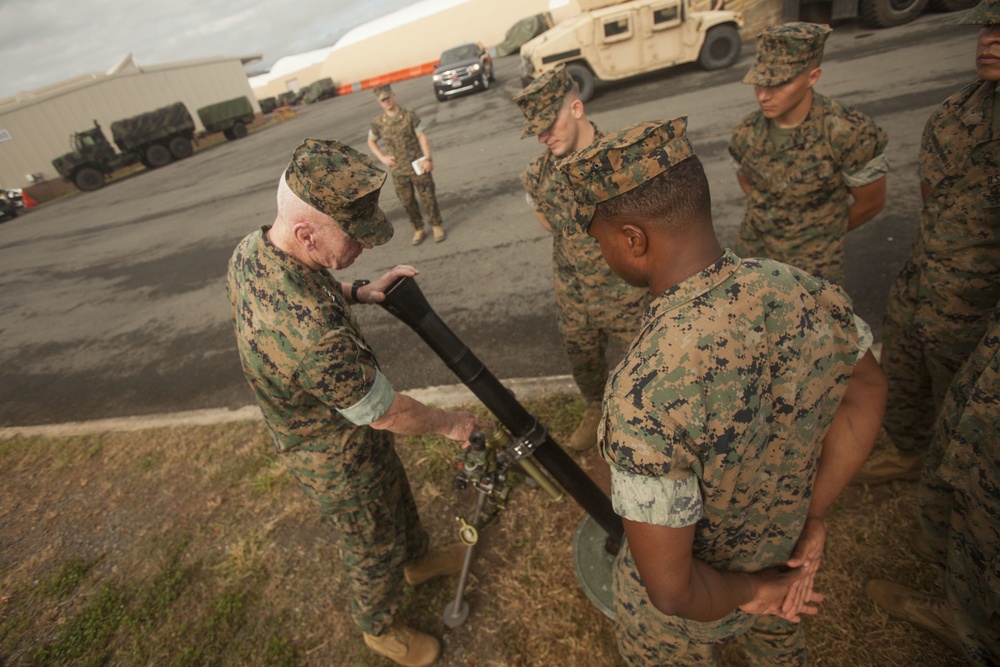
point(397, 135)
point(715, 417)
point(318, 383)
point(964, 462)
point(594, 304)
point(797, 207)
point(941, 301)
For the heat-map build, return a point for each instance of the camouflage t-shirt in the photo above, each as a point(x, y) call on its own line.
point(397, 136)
point(957, 250)
point(799, 195)
point(301, 349)
point(579, 268)
point(716, 415)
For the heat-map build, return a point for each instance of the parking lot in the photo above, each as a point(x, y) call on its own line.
point(113, 303)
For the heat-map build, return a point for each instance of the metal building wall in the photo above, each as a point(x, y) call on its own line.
point(39, 124)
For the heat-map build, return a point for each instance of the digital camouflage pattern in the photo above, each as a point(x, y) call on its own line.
point(799, 195)
point(715, 417)
point(382, 92)
point(594, 304)
point(397, 136)
point(623, 161)
point(305, 358)
point(940, 304)
point(784, 51)
point(962, 474)
point(339, 181)
point(541, 100)
point(986, 12)
point(133, 134)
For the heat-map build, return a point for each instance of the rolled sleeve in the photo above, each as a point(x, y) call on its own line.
point(868, 174)
point(374, 404)
point(660, 501)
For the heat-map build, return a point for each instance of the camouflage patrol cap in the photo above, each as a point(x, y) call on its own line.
point(541, 100)
point(382, 92)
point(339, 181)
point(785, 50)
point(623, 161)
point(986, 12)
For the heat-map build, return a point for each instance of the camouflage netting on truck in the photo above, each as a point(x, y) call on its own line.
point(133, 133)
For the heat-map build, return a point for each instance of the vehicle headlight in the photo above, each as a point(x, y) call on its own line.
point(474, 68)
point(437, 78)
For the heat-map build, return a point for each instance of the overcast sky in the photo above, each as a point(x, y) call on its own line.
point(46, 41)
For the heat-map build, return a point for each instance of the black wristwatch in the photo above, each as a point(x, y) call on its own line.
point(355, 286)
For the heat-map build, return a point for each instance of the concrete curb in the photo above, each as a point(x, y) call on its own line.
point(441, 396)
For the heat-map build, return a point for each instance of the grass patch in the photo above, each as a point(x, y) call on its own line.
point(191, 546)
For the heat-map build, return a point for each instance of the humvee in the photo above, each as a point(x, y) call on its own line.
point(613, 40)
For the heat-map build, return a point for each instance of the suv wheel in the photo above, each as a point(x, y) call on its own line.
point(485, 78)
point(583, 78)
point(721, 47)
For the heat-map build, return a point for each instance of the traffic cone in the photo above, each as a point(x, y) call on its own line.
point(28, 201)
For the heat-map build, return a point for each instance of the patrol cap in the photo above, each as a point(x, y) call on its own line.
point(986, 12)
point(620, 162)
point(541, 100)
point(785, 50)
point(382, 92)
point(339, 181)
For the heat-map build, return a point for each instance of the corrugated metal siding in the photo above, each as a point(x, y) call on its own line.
point(41, 127)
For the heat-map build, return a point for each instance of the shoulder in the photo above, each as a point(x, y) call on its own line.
point(846, 124)
point(951, 109)
point(538, 169)
point(744, 134)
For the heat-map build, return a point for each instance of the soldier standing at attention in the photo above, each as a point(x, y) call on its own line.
point(941, 301)
point(330, 410)
point(593, 303)
point(402, 133)
point(743, 408)
point(811, 168)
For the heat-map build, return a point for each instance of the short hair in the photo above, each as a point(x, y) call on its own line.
point(293, 209)
point(672, 200)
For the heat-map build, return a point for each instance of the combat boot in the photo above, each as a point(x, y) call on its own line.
point(405, 646)
point(446, 560)
point(418, 236)
point(932, 614)
point(585, 435)
point(438, 233)
point(889, 465)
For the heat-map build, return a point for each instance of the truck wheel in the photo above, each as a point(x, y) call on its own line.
point(157, 155)
point(583, 78)
point(89, 179)
point(951, 5)
point(180, 148)
point(239, 130)
point(721, 47)
point(888, 13)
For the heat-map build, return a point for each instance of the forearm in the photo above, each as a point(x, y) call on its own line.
point(377, 152)
point(869, 200)
point(851, 435)
point(408, 416)
point(711, 594)
point(425, 146)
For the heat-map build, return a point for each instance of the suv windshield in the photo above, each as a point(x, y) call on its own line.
point(458, 54)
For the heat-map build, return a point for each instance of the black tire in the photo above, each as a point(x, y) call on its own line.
point(950, 5)
point(239, 130)
point(157, 155)
point(89, 179)
point(180, 148)
point(584, 78)
point(228, 133)
point(721, 48)
point(485, 79)
point(889, 13)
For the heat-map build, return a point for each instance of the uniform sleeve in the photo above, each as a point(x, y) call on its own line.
point(862, 149)
point(339, 370)
point(932, 169)
point(528, 182)
point(740, 143)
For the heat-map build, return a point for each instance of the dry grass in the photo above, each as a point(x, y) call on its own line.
point(190, 546)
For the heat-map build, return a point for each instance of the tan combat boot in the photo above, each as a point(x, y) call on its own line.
point(932, 614)
point(446, 560)
point(438, 233)
point(889, 465)
point(585, 435)
point(405, 646)
point(418, 236)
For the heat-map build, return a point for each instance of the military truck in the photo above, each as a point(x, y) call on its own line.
point(613, 40)
point(230, 117)
point(319, 90)
point(153, 138)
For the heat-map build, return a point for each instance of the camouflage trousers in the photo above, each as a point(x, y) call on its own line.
point(361, 488)
point(922, 350)
point(586, 328)
point(648, 638)
point(411, 186)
